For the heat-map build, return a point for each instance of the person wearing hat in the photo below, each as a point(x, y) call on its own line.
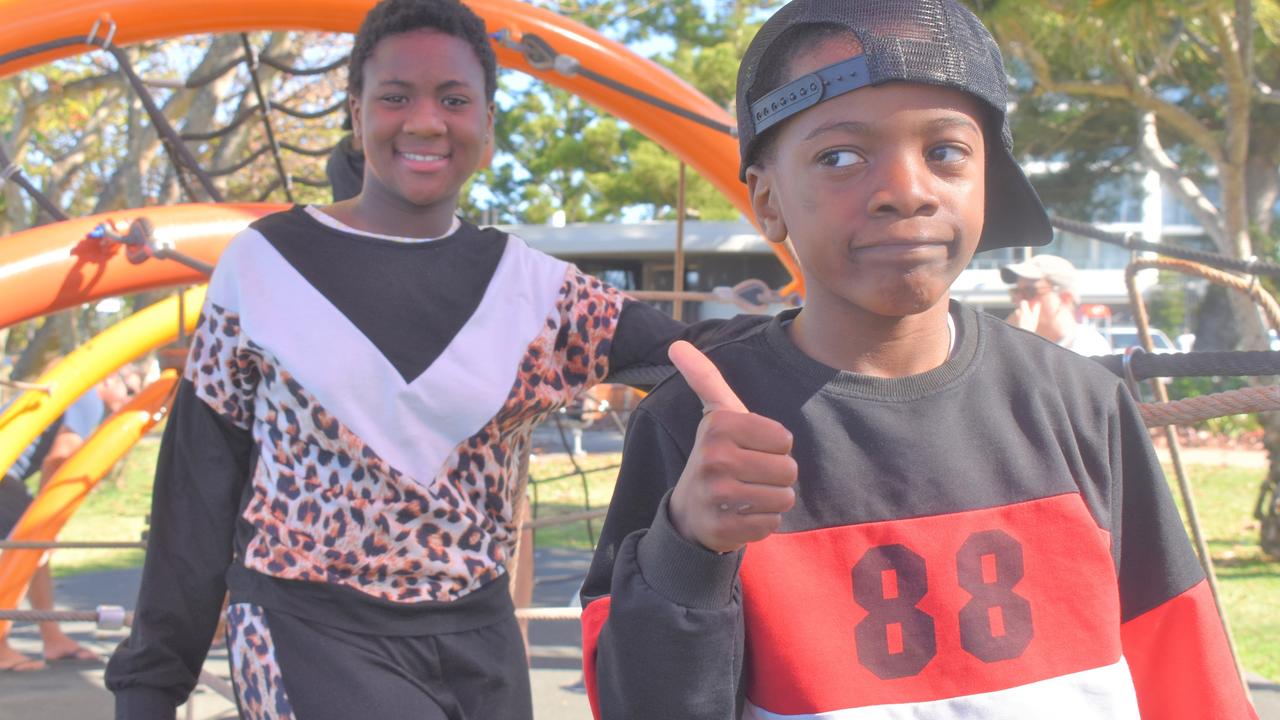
point(1044, 289)
point(886, 504)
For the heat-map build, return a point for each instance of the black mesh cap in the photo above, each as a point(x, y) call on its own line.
point(935, 42)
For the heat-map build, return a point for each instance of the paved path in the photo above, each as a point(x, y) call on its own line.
point(74, 691)
point(1218, 457)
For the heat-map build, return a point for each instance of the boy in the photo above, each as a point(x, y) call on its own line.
point(343, 453)
point(885, 504)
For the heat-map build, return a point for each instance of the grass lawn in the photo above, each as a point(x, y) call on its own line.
point(558, 488)
point(1249, 582)
point(115, 511)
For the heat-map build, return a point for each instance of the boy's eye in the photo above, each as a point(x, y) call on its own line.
point(455, 101)
point(839, 158)
point(394, 99)
point(947, 154)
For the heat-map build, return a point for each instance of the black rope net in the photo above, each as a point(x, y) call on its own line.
point(237, 118)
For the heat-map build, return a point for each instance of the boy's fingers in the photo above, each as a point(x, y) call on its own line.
point(704, 378)
point(765, 499)
point(763, 468)
point(755, 432)
point(753, 527)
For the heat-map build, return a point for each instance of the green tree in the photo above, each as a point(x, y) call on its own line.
point(1197, 80)
point(560, 154)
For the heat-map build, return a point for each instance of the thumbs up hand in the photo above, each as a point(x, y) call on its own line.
point(738, 480)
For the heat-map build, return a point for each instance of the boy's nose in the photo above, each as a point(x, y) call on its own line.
point(904, 187)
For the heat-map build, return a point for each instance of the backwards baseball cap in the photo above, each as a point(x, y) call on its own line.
point(935, 42)
point(1056, 270)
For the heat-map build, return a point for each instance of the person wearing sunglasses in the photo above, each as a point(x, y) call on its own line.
point(1043, 290)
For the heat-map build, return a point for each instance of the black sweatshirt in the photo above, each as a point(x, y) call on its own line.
point(993, 538)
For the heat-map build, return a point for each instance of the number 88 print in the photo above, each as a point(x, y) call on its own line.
point(897, 639)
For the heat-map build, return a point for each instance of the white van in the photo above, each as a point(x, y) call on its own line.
point(1123, 337)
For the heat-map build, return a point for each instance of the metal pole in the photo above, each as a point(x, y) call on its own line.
point(677, 308)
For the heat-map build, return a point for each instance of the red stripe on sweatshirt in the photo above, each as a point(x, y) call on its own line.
point(594, 616)
point(928, 608)
point(1181, 663)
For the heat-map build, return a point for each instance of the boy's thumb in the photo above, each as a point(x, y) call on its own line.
point(704, 378)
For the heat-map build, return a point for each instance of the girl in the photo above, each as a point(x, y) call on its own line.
point(343, 453)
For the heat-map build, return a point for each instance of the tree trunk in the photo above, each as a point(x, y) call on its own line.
point(1215, 323)
point(45, 345)
point(1264, 190)
point(1260, 172)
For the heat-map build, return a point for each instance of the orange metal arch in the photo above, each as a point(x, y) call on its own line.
point(53, 267)
point(62, 495)
point(713, 154)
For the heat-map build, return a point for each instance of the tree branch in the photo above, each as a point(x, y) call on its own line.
point(1244, 28)
point(1184, 187)
point(1239, 81)
point(1186, 124)
point(73, 90)
point(1136, 90)
point(1205, 47)
point(1163, 62)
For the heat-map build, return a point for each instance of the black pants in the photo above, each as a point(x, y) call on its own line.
point(14, 500)
point(286, 667)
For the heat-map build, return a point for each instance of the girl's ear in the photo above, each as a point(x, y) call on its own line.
point(764, 202)
point(490, 144)
point(357, 122)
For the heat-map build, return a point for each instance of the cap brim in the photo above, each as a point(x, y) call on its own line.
point(1011, 274)
point(1015, 217)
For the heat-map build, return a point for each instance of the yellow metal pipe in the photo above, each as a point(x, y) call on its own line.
point(86, 366)
point(63, 493)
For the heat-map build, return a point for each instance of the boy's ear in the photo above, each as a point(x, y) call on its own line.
point(764, 202)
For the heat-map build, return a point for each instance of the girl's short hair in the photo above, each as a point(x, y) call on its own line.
point(392, 17)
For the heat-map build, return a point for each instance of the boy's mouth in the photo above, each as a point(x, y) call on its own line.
point(899, 244)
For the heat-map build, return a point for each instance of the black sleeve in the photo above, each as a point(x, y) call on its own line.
point(1173, 640)
point(1156, 560)
point(638, 353)
point(671, 644)
point(203, 465)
